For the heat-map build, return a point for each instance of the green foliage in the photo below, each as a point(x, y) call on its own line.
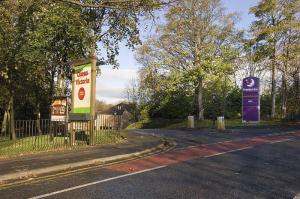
point(234, 103)
point(102, 106)
point(197, 44)
point(174, 105)
point(265, 104)
point(145, 113)
point(40, 39)
point(275, 37)
point(214, 102)
point(172, 99)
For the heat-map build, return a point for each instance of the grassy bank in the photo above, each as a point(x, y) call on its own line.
point(180, 123)
point(42, 143)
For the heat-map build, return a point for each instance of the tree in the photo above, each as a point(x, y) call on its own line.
point(275, 32)
point(12, 34)
point(40, 39)
point(59, 37)
point(289, 48)
point(198, 38)
point(102, 106)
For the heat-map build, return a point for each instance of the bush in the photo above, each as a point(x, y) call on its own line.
point(175, 105)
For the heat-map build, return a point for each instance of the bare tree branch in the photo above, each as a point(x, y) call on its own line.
point(120, 4)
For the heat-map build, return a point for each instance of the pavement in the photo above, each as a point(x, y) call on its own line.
point(133, 146)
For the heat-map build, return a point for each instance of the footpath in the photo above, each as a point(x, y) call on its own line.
point(28, 166)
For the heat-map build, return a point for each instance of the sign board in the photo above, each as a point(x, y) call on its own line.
point(59, 109)
point(83, 95)
point(82, 88)
point(251, 99)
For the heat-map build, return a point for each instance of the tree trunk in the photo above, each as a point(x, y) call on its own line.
point(297, 83)
point(12, 119)
point(224, 95)
point(63, 85)
point(273, 93)
point(283, 103)
point(58, 85)
point(200, 99)
point(51, 91)
point(38, 120)
point(284, 93)
point(4, 129)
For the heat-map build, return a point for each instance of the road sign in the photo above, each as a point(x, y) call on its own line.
point(251, 99)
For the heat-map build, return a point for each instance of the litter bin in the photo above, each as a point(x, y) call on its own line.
point(191, 123)
point(220, 123)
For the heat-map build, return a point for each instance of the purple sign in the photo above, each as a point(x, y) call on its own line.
point(251, 99)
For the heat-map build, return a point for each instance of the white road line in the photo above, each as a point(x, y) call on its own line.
point(96, 182)
point(249, 147)
point(208, 144)
point(222, 153)
point(284, 140)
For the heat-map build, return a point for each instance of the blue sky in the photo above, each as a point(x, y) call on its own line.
point(112, 83)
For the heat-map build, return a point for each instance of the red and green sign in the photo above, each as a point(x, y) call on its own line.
point(82, 88)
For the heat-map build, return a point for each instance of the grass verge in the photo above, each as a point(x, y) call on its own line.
point(180, 123)
point(43, 143)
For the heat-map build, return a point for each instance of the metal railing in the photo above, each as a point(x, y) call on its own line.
point(45, 135)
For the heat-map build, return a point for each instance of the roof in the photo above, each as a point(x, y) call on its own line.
point(119, 109)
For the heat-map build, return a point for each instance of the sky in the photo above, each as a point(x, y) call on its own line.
point(111, 84)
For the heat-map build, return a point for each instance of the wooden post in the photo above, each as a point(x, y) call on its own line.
point(72, 130)
point(93, 100)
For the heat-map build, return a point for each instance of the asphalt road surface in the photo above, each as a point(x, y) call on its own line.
point(244, 165)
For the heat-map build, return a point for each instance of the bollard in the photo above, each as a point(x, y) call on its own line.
point(191, 123)
point(220, 123)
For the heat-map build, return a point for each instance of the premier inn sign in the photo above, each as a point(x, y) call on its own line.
point(82, 88)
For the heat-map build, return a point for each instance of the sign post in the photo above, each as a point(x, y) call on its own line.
point(251, 100)
point(84, 95)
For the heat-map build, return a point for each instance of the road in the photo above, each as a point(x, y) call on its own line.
point(243, 164)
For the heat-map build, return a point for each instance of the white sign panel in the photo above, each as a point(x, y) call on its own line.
point(82, 88)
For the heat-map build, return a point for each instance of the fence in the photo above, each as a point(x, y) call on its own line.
point(46, 135)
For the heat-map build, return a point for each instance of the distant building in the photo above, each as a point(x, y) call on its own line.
point(119, 109)
point(125, 110)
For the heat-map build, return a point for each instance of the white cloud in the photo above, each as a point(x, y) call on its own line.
point(118, 74)
point(111, 84)
point(111, 92)
point(111, 100)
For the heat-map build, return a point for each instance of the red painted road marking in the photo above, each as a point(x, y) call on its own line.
point(201, 151)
